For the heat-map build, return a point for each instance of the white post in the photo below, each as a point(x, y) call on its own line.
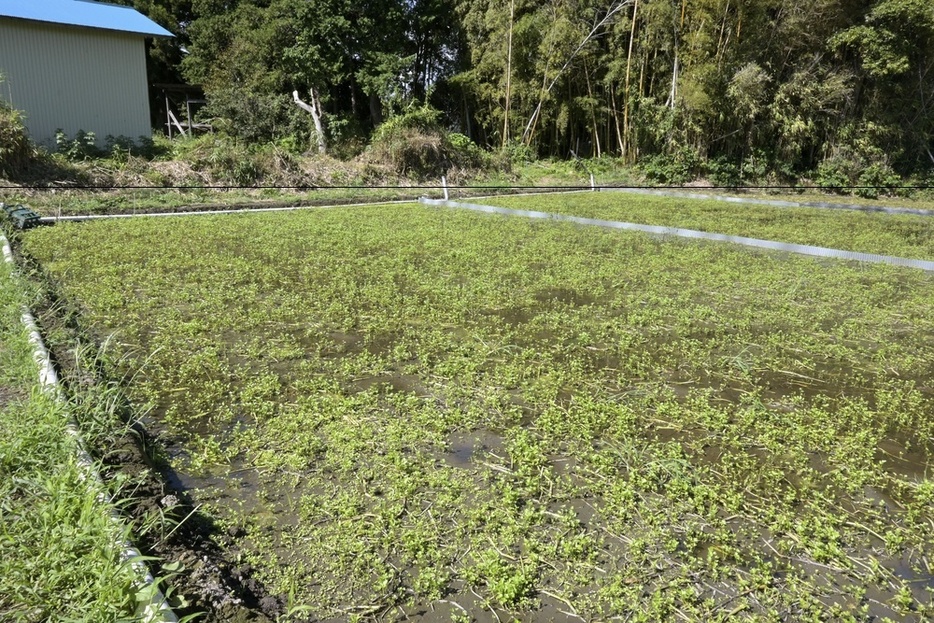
point(444, 184)
point(593, 185)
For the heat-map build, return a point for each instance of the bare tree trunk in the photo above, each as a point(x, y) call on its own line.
point(593, 114)
point(354, 107)
point(615, 8)
point(722, 43)
point(317, 115)
point(468, 130)
point(619, 133)
point(673, 94)
point(376, 110)
point(512, 15)
point(632, 36)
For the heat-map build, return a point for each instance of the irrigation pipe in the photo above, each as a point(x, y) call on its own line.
point(97, 217)
point(554, 191)
point(768, 202)
point(774, 245)
point(155, 608)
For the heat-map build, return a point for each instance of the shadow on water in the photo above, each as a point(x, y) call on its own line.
point(193, 538)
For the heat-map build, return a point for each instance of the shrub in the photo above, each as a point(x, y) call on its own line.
point(16, 150)
point(231, 163)
point(875, 177)
point(82, 147)
point(519, 153)
point(413, 152)
point(467, 153)
point(838, 173)
point(723, 172)
point(860, 158)
point(415, 144)
point(120, 147)
point(422, 119)
point(676, 168)
point(833, 174)
point(253, 117)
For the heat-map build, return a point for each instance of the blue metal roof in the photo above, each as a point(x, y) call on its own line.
point(83, 13)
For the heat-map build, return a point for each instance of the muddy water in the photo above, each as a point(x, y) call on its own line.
point(272, 505)
point(465, 448)
point(898, 460)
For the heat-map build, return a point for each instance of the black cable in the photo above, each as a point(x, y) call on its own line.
point(452, 187)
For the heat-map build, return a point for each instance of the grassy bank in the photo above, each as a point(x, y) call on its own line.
point(219, 171)
point(328, 182)
point(59, 558)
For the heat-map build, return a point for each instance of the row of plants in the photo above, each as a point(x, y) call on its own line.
point(401, 409)
point(904, 235)
point(862, 172)
point(412, 146)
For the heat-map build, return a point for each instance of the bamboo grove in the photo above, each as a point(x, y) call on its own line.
point(840, 88)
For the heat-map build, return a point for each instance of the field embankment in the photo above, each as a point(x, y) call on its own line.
point(59, 549)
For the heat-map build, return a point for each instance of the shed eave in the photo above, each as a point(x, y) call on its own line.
point(166, 35)
point(83, 14)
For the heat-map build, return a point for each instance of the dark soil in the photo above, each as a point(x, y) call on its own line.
point(8, 396)
point(209, 583)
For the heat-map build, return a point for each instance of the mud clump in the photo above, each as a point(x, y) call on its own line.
point(207, 583)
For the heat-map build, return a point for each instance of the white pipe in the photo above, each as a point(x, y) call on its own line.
point(7, 253)
point(95, 217)
point(156, 609)
point(801, 249)
point(771, 202)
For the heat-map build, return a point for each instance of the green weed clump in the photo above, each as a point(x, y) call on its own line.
point(16, 150)
point(414, 144)
point(402, 409)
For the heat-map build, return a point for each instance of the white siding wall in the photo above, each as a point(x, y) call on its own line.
point(74, 79)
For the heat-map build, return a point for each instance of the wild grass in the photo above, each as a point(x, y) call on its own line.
point(403, 410)
point(59, 552)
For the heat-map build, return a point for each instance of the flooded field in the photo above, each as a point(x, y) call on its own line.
point(413, 413)
point(902, 235)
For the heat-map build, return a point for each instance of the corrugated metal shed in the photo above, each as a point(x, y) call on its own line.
point(83, 13)
point(76, 65)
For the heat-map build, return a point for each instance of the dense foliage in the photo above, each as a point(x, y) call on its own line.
point(15, 148)
point(841, 89)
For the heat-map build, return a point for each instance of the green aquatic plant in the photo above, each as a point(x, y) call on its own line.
point(406, 407)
